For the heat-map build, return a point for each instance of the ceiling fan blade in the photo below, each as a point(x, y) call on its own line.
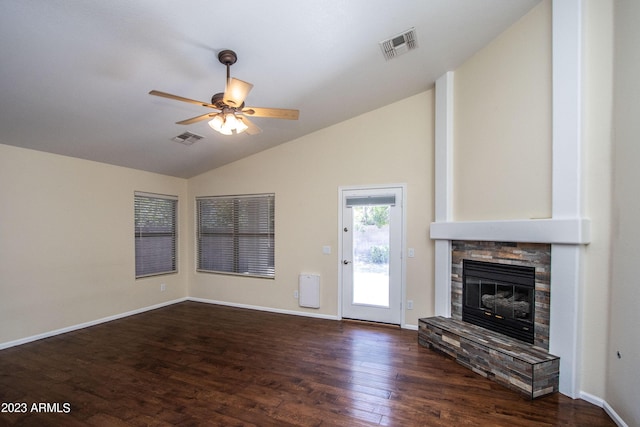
point(196, 119)
point(180, 98)
point(252, 129)
point(236, 92)
point(272, 113)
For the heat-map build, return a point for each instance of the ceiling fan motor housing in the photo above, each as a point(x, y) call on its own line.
point(227, 57)
point(218, 101)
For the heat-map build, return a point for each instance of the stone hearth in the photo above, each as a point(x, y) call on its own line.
point(516, 365)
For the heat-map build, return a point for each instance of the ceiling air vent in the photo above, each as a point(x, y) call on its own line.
point(187, 138)
point(399, 44)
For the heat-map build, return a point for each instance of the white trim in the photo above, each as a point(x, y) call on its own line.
point(72, 328)
point(567, 279)
point(614, 415)
point(574, 231)
point(595, 400)
point(155, 195)
point(567, 109)
point(282, 311)
point(443, 189)
point(262, 308)
point(442, 277)
point(444, 148)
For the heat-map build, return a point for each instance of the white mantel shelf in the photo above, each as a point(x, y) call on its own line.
point(570, 231)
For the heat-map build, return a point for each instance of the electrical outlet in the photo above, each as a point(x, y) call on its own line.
point(295, 294)
point(163, 287)
point(410, 304)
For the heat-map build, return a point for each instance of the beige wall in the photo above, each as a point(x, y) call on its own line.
point(623, 375)
point(391, 145)
point(502, 125)
point(66, 242)
point(597, 134)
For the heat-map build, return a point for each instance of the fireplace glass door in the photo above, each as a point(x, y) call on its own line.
point(500, 297)
point(504, 300)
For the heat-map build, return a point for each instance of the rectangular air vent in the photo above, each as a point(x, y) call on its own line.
point(187, 138)
point(399, 44)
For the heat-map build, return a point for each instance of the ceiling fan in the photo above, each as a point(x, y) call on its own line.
point(230, 114)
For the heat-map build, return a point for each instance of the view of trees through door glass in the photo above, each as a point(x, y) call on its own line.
point(371, 255)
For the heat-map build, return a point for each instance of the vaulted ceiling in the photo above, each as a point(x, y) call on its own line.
point(75, 75)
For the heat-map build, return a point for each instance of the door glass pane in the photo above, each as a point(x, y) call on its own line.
point(371, 255)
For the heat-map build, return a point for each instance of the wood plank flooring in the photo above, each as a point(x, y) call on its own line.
point(194, 364)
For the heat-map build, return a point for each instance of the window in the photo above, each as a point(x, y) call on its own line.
point(236, 235)
point(155, 234)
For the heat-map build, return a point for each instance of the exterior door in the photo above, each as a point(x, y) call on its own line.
point(371, 243)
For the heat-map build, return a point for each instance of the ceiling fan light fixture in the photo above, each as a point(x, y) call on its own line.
point(217, 122)
point(240, 126)
point(227, 124)
point(230, 121)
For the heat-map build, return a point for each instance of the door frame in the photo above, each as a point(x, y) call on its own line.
point(403, 238)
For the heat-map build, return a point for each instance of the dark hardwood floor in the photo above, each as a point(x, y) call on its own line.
point(199, 364)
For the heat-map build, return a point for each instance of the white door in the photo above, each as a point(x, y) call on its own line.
point(371, 243)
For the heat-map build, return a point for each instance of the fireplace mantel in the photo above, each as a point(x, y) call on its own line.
point(568, 230)
point(573, 231)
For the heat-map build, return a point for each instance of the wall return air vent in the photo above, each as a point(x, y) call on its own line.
point(187, 138)
point(399, 44)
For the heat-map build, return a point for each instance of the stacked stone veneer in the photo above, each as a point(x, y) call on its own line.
point(527, 369)
point(536, 255)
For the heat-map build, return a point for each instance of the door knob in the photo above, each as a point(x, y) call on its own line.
point(345, 262)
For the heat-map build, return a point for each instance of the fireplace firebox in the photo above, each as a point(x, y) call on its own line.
point(500, 297)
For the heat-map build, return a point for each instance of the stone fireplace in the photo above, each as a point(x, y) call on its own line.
point(500, 314)
point(534, 258)
point(557, 244)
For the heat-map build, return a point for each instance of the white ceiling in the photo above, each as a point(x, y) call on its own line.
point(75, 75)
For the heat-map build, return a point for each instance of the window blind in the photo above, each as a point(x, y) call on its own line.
point(236, 234)
point(155, 234)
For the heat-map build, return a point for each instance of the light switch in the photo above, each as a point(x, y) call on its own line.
point(326, 250)
point(412, 253)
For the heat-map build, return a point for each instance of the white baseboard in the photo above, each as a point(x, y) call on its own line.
point(281, 311)
point(269, 309)
point(55, 332)
point(583, 395)
point(604, 405)
point(614, 416)
point(594, 400)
